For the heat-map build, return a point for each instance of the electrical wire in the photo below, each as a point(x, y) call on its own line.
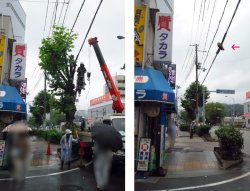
point(190, 38)
point(89, 29)
point(223, 39)
point(198, 25)
point(61, 12)
point(66, 12)
point(46, 18)
point(215, 33)
point(32, 1)
point(207, 36)
point(56, 12)
point(204, 9)
point(52, 20)
point(77, 16)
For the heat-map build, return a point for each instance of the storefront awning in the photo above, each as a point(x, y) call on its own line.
point(10, 100)
point(150, 85)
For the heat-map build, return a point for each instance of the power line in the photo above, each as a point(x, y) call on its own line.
point(61, 12)
point(89, 29)
point(52, 20)
point(215, 32)
point(77, 16)
point(223, 39)
point(56, 12)
point(207, 35)
point(197, 28)
point(66, 12)
point(46, 17)
point(190, 38)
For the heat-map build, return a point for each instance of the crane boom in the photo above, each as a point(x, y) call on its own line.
point(115, 94)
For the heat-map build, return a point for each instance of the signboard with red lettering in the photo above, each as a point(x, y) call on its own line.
point(248, 95)
point(101, 99)
point(141, 79)
point(143, 155)
point(163, 37)
point(18, 62)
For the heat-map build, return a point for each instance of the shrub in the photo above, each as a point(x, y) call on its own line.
point(230, 138)
point(203, 130)
point(184, 127)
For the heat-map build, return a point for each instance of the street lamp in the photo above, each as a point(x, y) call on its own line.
point(232, 108)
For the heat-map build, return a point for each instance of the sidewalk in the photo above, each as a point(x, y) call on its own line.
point(191, 157)
point(39, 155)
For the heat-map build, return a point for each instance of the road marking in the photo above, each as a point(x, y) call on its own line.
point(209, 185)
point(44, 175)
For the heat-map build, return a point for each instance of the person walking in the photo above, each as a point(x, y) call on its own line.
point(172, 133)
point(102, 164)
point(66, 147)
point(191, 130)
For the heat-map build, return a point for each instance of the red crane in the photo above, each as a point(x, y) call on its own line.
point(115, 94)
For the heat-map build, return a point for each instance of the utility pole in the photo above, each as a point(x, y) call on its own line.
point(45, 100)
point(196, 80)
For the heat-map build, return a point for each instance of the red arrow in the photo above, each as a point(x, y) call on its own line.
point(234, 46)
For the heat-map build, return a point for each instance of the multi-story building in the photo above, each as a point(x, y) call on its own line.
point(102, 105)
point(12, 28)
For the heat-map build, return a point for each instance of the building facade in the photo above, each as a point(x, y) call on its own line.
point(154, 98)
point(102, 105)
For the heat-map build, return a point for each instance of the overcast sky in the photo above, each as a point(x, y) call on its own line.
point(231, 68)
point(108, 24)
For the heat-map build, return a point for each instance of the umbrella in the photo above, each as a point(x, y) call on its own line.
point(17, 128)
point(107, 137)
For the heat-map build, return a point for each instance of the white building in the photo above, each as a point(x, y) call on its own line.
point(247, 113)
point(102, 105)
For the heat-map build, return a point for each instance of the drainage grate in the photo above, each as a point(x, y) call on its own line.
point(70, 188)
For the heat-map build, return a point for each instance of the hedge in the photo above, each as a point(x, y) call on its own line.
point(203, 130)
point(184, 127)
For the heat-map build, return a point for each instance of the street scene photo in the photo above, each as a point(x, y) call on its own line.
point(62, 95)
point(191, 95)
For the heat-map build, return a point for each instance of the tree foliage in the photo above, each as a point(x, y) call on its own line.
point(37, 108)
point(214, 112)
point(60, 67)
point(189, 100)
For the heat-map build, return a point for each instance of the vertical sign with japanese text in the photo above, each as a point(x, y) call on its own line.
point(18, 62)
point(143, 155)
point(2, 149)
point(163, 37)
point(2, 47)
point(139, 29)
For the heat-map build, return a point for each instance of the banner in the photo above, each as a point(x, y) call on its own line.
point(18, 63)
point(22, 88)
point(2, 149)
point(2, 47)
point(163, 37)
point(144, 151)
point(139, 27)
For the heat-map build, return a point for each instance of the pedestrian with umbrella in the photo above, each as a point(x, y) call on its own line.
point(66, 147)
point(106, 141)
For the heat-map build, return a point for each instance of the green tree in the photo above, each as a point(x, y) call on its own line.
point(37, 108)
point(60, 67)
point(56, 117)
point(214, 112)
point(189, 100)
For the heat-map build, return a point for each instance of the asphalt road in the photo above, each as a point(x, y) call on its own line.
point(221, 182)
point(54, 180)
